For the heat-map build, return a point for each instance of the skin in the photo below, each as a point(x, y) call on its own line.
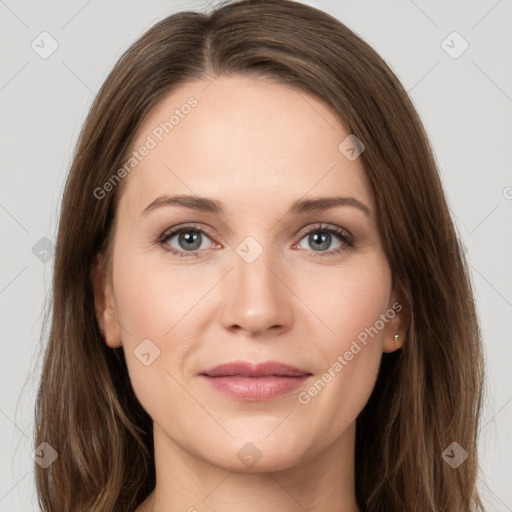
point(256, 146)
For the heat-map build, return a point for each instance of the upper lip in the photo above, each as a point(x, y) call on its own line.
point(248, 369)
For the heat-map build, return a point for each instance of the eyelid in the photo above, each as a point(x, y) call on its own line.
point(344, 235)
point(175, 230)
point(322, 226)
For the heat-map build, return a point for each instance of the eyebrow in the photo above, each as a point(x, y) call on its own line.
point(300, 206)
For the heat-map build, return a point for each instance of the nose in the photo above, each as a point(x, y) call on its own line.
point(258, 295)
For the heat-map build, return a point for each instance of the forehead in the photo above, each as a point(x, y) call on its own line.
point(244, 140)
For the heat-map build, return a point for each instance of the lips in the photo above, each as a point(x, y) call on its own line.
point(247, 369)
point(245, 381)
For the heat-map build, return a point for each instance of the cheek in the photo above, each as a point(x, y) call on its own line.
point(154, 307)
point(164, 300)
point(152, 297)
point(350, 301)
point(166, 303)
point(347, 299)
point(333, 303)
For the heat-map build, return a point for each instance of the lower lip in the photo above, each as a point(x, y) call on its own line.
point(255, 388)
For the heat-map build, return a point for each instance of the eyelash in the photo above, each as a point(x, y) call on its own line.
point(347, 239)
point(343, 235)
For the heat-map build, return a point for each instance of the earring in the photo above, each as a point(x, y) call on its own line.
point(396, 341)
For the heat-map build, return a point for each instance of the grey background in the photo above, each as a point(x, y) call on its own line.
point(465, 104)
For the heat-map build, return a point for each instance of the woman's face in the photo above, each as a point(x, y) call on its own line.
point(257, 275)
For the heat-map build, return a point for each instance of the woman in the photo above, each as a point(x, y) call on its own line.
point(316, 346)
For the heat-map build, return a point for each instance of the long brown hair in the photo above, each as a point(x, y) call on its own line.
point(427, 395)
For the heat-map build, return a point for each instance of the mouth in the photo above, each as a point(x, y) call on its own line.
point(247, 369)
point(245, 381)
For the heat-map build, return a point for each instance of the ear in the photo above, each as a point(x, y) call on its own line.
point(398, 313)
point(104, 304)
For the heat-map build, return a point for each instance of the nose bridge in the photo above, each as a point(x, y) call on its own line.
point(257, 299)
